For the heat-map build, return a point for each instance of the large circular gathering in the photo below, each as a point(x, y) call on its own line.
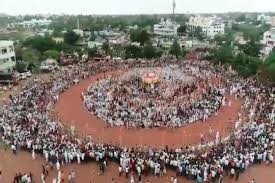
point(172, 96)
point(155, 93)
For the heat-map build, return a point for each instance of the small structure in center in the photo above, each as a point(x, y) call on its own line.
point(150, 78)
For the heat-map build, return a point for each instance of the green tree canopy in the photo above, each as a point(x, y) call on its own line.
point(21, 66)
point(92, 37)
point(106, 47)
point(132, 51)
point(70, 37)
point(31, 56)
point(182, 29)
point(175, 49)
point(150, 52)
point(51, 54)
point(92, 52)
point(40, 43)
point(140, 35)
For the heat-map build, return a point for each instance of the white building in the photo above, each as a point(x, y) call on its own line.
point(269, 37)
point(7, 56)
point(32, 23)
point(93, 44)
point(264, 18)
point(273, 21)
point(268, 41)
point(166, 28)
point(79, 32)
point(209, 26)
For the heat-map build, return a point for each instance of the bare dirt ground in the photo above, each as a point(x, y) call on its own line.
point(89, 173)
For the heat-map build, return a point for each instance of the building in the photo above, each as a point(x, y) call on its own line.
point(272, 33)
point(264, 18)
point(95, 44)
point(58, 40)
point(268, 41)
point(209, 26)
point(166, 28)
point(31, 23)
point(273, 21)
point(7, 56)
point(79, 32)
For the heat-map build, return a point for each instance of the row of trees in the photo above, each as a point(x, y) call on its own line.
point(247, 65)
point(243, 58)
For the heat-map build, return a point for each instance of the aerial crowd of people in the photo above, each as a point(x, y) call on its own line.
point(182, 95)
point(27, 123)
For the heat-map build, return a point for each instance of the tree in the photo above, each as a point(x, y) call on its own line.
point(92, 37)
point(132, 51)
point(251, 48)
point(198, 33)
point(70, 37)
point(175, 49)
point(106, 47)
point(18, 52)
point(271, 59)
point(41, 44)
point(31, 56)
point(140, 35)
point(21, 66)
point(150, 52)
point(92, 52)
point(144, 37)
point(182, 29)
point(267, 74)
point(51, 54)
point(241, 18)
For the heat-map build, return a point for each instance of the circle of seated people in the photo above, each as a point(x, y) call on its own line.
point(155, 96)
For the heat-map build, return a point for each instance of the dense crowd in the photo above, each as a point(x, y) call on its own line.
point(182, 95)
point(26, 122)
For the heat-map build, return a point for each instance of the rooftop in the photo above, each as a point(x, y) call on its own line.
point(5, 43)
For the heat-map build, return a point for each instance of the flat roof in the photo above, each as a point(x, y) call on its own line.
point(5, 43)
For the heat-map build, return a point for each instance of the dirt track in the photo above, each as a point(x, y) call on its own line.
point(71, 111)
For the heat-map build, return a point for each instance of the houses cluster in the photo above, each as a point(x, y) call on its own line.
point(267, 19)
point(31, 23)
point(114, 37)
point(268, 40)
point(166, 28)
point(209, 26)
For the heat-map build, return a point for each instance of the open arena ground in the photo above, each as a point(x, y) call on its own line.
point(71, 111)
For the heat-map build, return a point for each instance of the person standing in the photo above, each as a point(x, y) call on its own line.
point(13, 148)
point(43, 180)
point(253, 181)
point(73, 175)
point(69, 178)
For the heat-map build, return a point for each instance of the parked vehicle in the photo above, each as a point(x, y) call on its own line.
point(25, 75)
point(49, 65)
